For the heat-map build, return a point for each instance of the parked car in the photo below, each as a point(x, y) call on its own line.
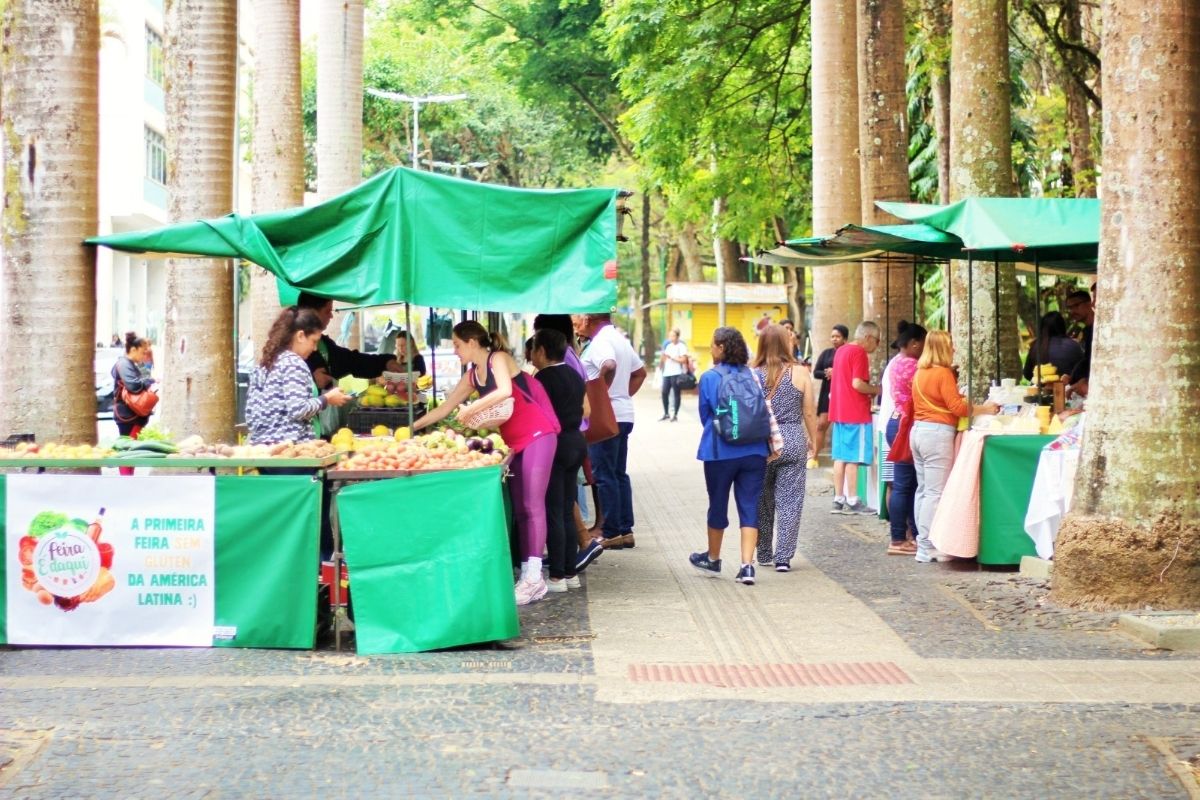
point(106, 357)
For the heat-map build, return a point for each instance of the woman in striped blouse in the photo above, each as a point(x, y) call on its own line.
point(282, 403)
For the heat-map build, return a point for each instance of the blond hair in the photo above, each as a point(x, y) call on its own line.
point(775, 353)
point(939, 351)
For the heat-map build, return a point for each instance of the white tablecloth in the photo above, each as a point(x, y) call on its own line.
point(1051, 499)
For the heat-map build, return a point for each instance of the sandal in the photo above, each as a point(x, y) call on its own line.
point(902, 548)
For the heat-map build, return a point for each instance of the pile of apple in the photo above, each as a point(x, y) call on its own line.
point(54, 450)
point(439, 450)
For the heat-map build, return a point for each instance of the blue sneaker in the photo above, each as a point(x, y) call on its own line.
point(702, 562)
point(746, 575)
point(589, 554)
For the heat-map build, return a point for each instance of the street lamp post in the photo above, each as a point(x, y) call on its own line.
point(417, 102)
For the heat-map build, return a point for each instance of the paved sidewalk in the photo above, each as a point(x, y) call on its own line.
point(855, 675)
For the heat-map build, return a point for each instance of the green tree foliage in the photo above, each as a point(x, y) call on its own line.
point(718, 97)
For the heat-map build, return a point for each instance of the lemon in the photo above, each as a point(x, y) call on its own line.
point(403, 433)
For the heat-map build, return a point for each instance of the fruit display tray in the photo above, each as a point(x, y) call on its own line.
point(379, 474)
point(167, 463)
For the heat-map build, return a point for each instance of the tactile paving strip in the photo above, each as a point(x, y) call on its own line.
point(770, 675)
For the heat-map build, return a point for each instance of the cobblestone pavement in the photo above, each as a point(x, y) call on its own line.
point(1002, 695)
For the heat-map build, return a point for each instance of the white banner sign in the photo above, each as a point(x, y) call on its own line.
point(110, 560)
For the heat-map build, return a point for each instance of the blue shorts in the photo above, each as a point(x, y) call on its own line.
point(745, 476)
point(852, 442)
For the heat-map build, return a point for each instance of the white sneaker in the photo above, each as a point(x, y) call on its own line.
point(530, 591)
point(573, 582)
point(931, 556)
point(556, 586)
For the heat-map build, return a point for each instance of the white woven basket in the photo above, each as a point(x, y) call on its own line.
point(490, 417)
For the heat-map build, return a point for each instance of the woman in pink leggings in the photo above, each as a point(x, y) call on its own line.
point(530, 433)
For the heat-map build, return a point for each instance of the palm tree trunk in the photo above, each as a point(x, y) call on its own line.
point(981, 166)
point(1133, 536)
point(339, 104)
point(201, 80)
point(837, 290)
point(49, 91)
point(278, 180)
point(883, 150)
point(936, 16)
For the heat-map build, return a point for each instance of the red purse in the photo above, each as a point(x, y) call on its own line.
point(901, 450)
point(142, 403)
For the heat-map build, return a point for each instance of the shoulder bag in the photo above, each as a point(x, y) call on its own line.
point(602, 423)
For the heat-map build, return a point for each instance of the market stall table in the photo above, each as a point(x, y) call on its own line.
point(428, 555)
point(163, 559)
point(982, 510)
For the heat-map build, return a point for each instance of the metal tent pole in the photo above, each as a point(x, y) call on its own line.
point(996, 308)
point(970, 327)
point(431, 335)
point(408, 389)
point(887, 297)
point(1037, 304)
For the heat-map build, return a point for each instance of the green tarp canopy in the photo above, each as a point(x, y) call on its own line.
point(432, 240)
point(1060, 235)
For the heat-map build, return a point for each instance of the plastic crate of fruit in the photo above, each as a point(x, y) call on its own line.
point(362, 420)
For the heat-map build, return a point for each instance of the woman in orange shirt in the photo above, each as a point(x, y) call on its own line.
point(937, 408)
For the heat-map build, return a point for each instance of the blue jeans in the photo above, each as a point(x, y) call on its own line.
point(745, 476)
point(612, 481)
point(901, 506)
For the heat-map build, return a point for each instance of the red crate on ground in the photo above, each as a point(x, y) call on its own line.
point(326, 579)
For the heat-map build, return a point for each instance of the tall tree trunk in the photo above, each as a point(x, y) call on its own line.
point(981, 166)
point(649, 340)
point(339, 105)
point(937, 16)
point(278, 180)
point(883, 150)
point(731, 257)
point(1133, 535)
point(689, 247)
point(1079, 124)
point(794, 278)
point(49, 90)
point(201, 80)
point(837, 290)
point(675, 266)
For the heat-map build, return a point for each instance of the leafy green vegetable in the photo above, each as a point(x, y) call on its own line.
point(153, 434)
point(47, 521)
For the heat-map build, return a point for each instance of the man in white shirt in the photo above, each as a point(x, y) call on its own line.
point(610, 357)
point(673, 361)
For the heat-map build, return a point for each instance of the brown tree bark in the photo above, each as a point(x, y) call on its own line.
point(649, 339)
point(278, 177)
point(937, 16)
point(339, 106)
point(689, 247)
point(1079, 123)
point(883, 150)
point(49, 118)
point(1133, 535)
point(201, 80)
point(837, 290)
point(981, 166)
point(731, 258)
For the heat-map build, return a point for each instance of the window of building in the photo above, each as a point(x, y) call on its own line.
point(154, 55)
point(156, 156)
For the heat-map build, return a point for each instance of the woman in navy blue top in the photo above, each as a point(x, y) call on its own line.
point(741, 467)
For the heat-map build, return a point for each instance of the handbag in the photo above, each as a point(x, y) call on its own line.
point(901, 450)
point(142, 403)
point(775, 437)
point(687, 381)
point(602, 424)
point(490, 417)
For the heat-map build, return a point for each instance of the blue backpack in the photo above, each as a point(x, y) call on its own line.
point(741, 415)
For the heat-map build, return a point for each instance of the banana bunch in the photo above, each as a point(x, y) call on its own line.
point(1046, 373)
point(424, 382)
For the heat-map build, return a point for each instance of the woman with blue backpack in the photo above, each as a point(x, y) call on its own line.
point(734, 449)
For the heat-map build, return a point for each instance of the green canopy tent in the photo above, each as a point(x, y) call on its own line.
point(1058, 235)
point(406, 236)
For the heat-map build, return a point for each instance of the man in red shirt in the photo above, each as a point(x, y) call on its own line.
point(850, 394)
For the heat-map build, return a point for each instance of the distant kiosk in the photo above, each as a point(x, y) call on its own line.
point(692, 307)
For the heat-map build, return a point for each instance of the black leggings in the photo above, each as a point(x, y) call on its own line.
point(670, 384)
point(562, 542)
